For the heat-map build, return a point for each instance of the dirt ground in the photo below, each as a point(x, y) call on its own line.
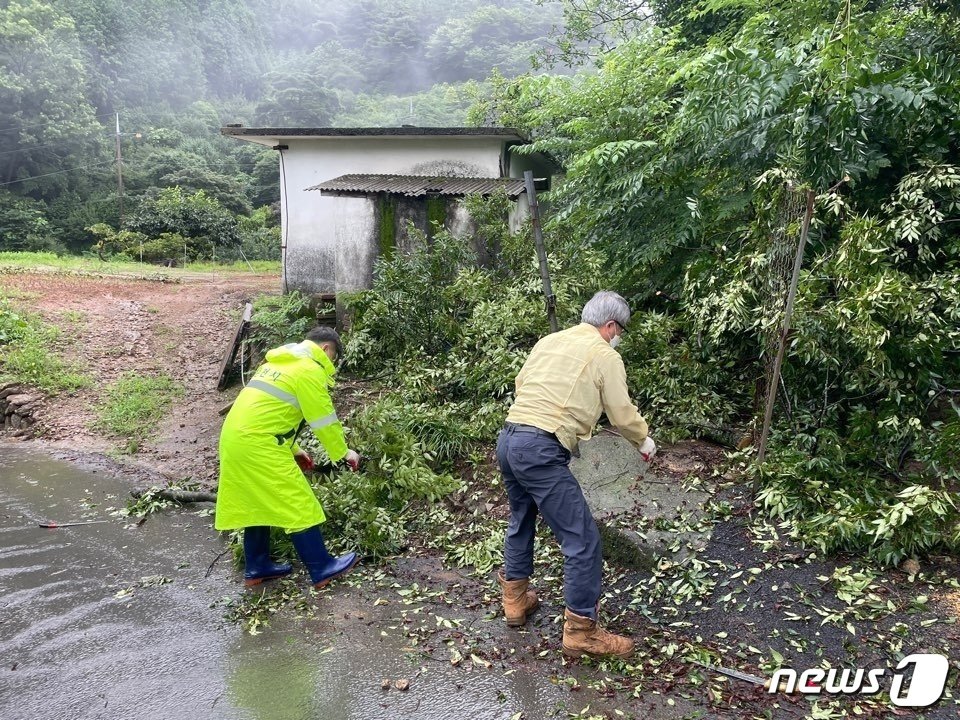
point(113, 325)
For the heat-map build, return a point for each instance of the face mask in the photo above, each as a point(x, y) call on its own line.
point(614, 341)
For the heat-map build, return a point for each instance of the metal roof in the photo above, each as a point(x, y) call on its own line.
point(509, 134)
point(418, 185)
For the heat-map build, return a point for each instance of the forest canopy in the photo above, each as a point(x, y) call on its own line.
point(175, 71)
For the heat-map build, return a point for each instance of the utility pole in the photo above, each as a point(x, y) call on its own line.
point(119, 173)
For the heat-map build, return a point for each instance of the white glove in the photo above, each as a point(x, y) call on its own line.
point(353, 459)
point(648, 449)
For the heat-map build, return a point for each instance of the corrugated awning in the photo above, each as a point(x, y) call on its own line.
point(419, 185)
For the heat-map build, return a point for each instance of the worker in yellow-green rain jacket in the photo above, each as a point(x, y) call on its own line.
point(261, 481)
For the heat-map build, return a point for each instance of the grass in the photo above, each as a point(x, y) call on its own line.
point(88, 263)
point(133, 405)
point(74, 317)
point(27, 353)
point(260, 266)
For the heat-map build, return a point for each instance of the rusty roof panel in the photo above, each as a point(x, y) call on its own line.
point(418, 185)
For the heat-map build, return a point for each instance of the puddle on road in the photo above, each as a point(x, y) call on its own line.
point(71, 648)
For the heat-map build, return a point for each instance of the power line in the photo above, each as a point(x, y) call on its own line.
point(11, 128)
point(51, 144)
point(58, 172)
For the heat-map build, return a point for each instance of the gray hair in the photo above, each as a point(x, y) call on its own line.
point(324, 334)
point(605, 306)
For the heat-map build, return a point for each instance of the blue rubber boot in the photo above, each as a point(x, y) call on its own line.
point(322, 566)
point(256, 557)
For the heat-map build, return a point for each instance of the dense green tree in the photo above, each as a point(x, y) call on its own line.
point(681, 162)
point(298, 95)
point(47, 124)
point(260, 236)
point(234, 53)
point(489, 37)
point(177, 70)
point(442, 105)
point(201, 220)
point(589, 28)
point(264, 177)
point(23, 224)
point(697, 21)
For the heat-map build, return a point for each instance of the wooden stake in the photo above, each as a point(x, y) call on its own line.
point(784, 331)
point(541, 252)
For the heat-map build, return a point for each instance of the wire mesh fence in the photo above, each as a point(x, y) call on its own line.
point(788, 237)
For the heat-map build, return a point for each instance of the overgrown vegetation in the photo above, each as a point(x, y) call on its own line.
point(277, 320)
point(28, 352)
point(443, 340)
point(368, 510)
point(133, 405)
point(680, 151)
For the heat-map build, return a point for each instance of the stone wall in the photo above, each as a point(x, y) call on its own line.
point(19, 406)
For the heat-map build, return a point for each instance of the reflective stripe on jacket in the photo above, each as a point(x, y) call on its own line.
point(260, 482)
point(291, 387)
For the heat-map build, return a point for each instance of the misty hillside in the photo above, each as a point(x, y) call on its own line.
point(176, 70)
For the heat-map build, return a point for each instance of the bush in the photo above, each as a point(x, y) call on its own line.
point(277, 320)
point(198, 218)
point(24, 225)
point(369, 510)
point(685, 386)
point(679, 159)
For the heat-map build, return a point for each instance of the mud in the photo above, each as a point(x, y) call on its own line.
point(112, 325)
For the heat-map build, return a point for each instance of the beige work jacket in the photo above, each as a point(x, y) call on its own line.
point(571, 377)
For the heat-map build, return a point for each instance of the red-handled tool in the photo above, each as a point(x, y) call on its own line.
point(304, 461)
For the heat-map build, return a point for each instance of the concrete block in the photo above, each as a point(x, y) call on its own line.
point(642, 517)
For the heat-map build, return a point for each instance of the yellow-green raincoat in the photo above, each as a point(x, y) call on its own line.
point(260, 482)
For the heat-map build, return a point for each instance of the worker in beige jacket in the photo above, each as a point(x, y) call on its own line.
point(569, 379)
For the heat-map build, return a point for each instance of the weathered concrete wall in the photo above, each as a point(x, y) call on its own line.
point(332, 242)
point(408, 211)
point(518, 164)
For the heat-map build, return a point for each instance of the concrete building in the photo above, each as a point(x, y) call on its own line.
point(347, 194)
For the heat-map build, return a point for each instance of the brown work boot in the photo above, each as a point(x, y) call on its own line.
point(518, 601)
point(583, 636)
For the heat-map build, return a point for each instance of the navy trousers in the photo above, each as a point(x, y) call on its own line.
point(536, 476)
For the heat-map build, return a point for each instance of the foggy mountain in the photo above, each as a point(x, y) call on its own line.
point(176, 70)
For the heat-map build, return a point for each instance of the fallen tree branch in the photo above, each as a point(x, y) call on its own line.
point(180, 496)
